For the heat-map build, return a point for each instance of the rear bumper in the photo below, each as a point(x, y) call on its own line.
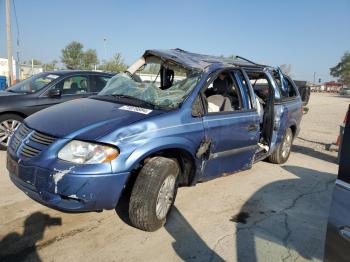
point(72, 192)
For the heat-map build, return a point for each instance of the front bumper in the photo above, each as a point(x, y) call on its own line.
point(66, 190)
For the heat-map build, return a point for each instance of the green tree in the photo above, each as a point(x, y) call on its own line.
point(342, 69)
point(35, 62)
point(90, 59)
point(116, 64)
point(152, 69)
point(50, 66)
point(233, 57)
point(72, 55)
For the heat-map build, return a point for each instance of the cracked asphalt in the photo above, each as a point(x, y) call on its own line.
point(268, 213)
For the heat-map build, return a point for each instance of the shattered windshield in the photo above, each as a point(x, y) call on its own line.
point(158, 84)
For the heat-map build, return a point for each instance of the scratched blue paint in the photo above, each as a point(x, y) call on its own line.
point(136, 135)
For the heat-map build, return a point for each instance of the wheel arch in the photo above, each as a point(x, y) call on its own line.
point(183, 154)
point(185, 160)
point(293, 127)
point(13, 113)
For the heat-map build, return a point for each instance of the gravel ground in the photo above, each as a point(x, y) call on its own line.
point(269, 213)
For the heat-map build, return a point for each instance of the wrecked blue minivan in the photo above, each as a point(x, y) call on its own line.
point(174, 118)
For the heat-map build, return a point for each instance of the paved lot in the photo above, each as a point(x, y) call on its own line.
point(269, 213)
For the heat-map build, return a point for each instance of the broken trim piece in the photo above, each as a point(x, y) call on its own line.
point(136, 65)
point(232, 152)
point(203, 147)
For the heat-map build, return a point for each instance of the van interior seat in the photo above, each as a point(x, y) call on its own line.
point(219, 103)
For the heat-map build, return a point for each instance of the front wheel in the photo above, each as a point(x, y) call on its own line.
point(283, 150)
point(154, 193)
point(8, 125)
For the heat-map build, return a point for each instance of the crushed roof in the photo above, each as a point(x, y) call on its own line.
point(198, 61)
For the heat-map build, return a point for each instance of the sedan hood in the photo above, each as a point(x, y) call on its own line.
point(6, 93)
point(86, 119)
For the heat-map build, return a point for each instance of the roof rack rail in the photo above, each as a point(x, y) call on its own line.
point(245, 59)
point(179, 49)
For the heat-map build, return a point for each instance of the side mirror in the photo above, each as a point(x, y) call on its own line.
point(55, 93)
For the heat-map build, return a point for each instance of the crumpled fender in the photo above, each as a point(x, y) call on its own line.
point(157, 145)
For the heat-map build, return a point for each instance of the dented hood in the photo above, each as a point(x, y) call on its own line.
point(86, 119)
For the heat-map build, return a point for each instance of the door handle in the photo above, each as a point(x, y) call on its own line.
point(345, 233)
point(252, 127)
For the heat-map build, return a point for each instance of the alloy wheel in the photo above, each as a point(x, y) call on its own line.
point(287, 145)
point(7, 128)
point(165, 197)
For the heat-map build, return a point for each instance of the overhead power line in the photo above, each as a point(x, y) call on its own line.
point(18, 69)
point(17, 25)
point(9, 42)
point(16, 20)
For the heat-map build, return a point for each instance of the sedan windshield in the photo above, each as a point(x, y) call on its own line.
point(33, 84)
point(160, 85)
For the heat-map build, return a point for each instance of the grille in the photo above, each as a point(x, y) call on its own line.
point(29, 151)
point(15, 143)
point(36, 143)
point(21, 132)
point(42, 139)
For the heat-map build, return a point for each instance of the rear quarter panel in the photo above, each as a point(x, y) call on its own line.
point(288, 114)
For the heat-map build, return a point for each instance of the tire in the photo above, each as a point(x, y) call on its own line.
point(8, 124)
point(283, 150)
point(145, 207)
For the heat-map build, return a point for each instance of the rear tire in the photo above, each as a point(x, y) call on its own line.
point(154, 193)
point(8, 124)
point(283, 150)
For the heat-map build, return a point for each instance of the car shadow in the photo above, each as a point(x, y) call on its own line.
point(314, 153)
point(122, 208)
point(22, 247)
point(286, 215)
point(188, 245)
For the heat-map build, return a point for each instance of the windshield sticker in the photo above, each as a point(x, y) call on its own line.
point(136, 109)
point(52, 76)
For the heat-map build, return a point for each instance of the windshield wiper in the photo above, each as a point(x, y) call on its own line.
point(143, 102)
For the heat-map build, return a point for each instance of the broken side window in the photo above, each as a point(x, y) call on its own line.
point(223, 94)
point(290, 88)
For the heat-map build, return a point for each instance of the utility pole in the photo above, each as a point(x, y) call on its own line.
point(9, 41)
point(314, 77)
point(104, 46)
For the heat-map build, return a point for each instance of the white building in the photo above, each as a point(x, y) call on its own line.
point(25, 70)
point(4, 68)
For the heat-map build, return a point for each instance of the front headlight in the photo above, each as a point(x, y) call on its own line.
point(87, 153)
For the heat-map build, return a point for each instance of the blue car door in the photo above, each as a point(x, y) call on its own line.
point(287, 107)
point(233, 134)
